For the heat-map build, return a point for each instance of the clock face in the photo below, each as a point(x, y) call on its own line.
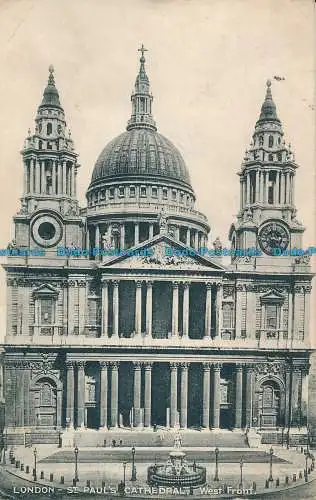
point(46, 231)
point(273, 238)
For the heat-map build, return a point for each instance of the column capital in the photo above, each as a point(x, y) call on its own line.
point(175, 284)
point(137, 365)
point(80, 364)
point(149, 283)
point(219, 285)
point(148, 365)
point(115, 283)
point(186, 284)
point(239, 366)
point(250, 367)
point(206, 366)
point(209, 285)
point(114, 365)
point(173, 365)
point(239, 287)
point(105, 282)
point(217, 366)
point(70, 364)
point(104, 364)
point(184, 365)
point(138, 283)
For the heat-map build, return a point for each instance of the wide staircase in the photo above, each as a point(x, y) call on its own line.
point(161, 438)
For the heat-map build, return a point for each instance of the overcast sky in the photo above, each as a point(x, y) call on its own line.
point(208, 62)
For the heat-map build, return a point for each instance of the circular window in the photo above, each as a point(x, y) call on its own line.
point(46, 231)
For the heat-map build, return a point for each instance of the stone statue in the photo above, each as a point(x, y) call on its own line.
point(162, 221)
point(217, 245)
point(106, 240)
point(177, 443)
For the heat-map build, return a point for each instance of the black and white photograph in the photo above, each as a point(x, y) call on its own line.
point(157, 249)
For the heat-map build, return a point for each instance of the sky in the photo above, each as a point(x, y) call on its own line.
point(208, 62)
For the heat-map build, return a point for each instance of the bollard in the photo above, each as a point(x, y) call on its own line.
point(42, 474)
point(17, 464)
point(286, 479)
point(103, 485)
point(74, 482)
point(62, 479)
point(302, 449)
point(51, 477)
point(225, 488)
point(267, 484)
point(294, 478)
point(88, 483)
point(22, 466)
point(27, 469)
point(254, 486)
point(277, 482)
point(300, 475)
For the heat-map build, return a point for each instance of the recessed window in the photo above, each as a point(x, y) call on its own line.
point(174, 195)
point(111, 193)
point(165, 194)
point(279, 156)
point(143, 191)
point(40, 145)
point(188, 200)
point(181, 197)
point(272, 316)
point(132, 191)
point(46, 231)
point(49, 145)
point(154, 192)
point(271, 141)
point(121, 191)
point(49, 128)
point(261, 140)
point(270, 157)
point(47, 311)
point(102, 193)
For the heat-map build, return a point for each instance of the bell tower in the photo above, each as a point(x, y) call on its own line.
point(49, 201)
point(266, 220)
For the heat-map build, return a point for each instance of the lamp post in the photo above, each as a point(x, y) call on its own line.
point(35, 464)
point(271, 456)
point(124, 473)
point(133, 478)
point(216, 464)
point(241, 464)
point(306, 453)
point(76, 451)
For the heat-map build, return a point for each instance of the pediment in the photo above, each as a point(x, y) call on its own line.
point(272, 296)
point(163, 252)
point(46, 290)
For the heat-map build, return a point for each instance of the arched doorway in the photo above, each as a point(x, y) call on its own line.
point(45, 399)
point(269, 404)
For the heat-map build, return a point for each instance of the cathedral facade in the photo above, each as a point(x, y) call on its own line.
point(120, 315)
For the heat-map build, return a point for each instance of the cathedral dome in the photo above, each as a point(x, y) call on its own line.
point(141, 151)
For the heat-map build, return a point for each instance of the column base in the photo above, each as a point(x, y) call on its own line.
point(205, 429)
point(104, 428)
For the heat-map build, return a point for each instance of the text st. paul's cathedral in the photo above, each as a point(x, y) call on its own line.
point(164, 334)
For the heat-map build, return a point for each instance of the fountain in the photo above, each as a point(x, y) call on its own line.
point(177, 471)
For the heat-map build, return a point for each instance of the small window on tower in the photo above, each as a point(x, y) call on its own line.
point(40, 145)
point(181, 197)
point(132, 192)
point(174, 195)
point(165, 194)
point(261, 140)
point(121, 191)
point(270, 157)
point(49, 145)
point(143, 192)
point(111, 193)
point(279, 156)
point(154, 192)
point(49, 128)
point(270, 141)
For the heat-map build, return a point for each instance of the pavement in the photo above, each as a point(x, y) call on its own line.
point(104, 469)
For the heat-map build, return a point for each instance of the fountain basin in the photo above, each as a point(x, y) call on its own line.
point(176, 472)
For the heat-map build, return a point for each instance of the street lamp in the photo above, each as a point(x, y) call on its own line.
point(271, 456)
point(76, 478)
point(35, 464)
point(241, 464)
point(124, 473)
point(133, 478)
point(216, 464)
point(306, 453)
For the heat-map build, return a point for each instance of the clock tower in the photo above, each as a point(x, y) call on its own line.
point(267, 232)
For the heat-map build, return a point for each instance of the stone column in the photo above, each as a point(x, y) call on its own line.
point(32, 166)
point(206, 394)
point(105, 308)
point(241, 193)
point(60, 178)
point(188, 239)
point(136, 233)
point(219, 298)
point(149, 307)
point(208, 311)
point(287, 409)
point(115, 308)
point(80, 394)
point(290, 316)
point(97, 236)
point(177, 233)
point(137, 392)
point(64, 177)
point(251, 311)
point(238, 397)
point(151, 230)
point(53, 177)
point(292, 188)
point(114, 393)
point(38, 177)
point(298, 306)
point(287, 188)
point(104, 394)
point(122, 236)
point(257, 186)
point(71, 306)
point(247, 189)
point(238, 306)
point(277, 188)
point(72, 180)
point(266, 187)
point(70, 393)
point(138, 308)
point(184, 396)
point(196, 240)
point(43, 177)
point(173, 394)
point(249, 394)
point(175, 308)
point(147, 412)
point(82, 305)
point(216, 395)
point(307, 292)
point(186, 308)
